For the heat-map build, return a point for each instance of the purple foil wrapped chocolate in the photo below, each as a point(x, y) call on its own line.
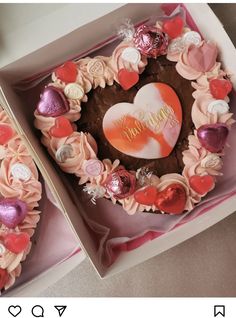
point(12, 212)
point(213, 136)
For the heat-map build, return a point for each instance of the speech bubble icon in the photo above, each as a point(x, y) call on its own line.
point(38, 311)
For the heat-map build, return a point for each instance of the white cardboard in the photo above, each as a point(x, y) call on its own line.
point(53, 53)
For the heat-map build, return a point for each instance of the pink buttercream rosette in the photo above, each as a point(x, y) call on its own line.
point(83, 147)
point(117, 62)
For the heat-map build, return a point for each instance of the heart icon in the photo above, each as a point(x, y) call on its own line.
point(62, 128)
point(173, 27)
point(148, 128)
point(67, 73)
point(16, 242)
point(12, 212)
point(127, 79)
point(202, 184)
point(202, 58)
point(213, 136)
point(14, 310)
point(220, 88)
point(146, 196)
point(172, 199)
point(52, 102)
point(6, 133)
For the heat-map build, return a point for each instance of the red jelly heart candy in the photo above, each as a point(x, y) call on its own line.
point(146, 196)
point(67, 73)
point(62, 128)
point(16, 243)
point(127, 79)
point(4, 276)
point(172, 199)
point(202, 184)
point(220, 88)
point(6, 133)
point(173, 27)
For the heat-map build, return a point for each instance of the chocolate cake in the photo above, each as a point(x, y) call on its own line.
point(101, 99)
point(144, 127)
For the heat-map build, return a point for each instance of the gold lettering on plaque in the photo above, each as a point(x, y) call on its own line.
point(143, 120)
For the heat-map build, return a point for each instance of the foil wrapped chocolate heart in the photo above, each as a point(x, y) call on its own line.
point(213, 136)
point(172, 199)
point(53, 102)
point(12, 212)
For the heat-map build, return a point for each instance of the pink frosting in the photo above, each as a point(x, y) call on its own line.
point(201, 85)
point(83, 145)
point(96, 70)
point(201, 116)
point(199, 161)
point(174, 51)
point(109, 167)
point(194, 61)
point(95, 185)
point(92, 72)
point(81, 80)
point(28, 191)
point(13, 275)
point(45, 123)
point(117, 63)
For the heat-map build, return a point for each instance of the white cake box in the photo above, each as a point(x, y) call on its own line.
point(74, 39)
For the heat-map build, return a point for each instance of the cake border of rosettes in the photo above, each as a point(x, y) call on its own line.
point(203, 158)
point(21, 192)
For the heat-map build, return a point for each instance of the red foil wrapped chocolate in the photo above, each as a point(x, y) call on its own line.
point(150, 41)
point(120, 184)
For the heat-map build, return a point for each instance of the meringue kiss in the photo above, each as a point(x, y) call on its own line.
point(12, 212)
point(213, 136)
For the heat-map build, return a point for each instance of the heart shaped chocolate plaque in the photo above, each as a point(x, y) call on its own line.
point(148, 128)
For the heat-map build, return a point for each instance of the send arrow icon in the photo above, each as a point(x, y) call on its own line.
point(60, 309)
point(219, 311)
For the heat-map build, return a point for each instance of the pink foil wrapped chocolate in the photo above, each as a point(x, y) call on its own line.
point(150, 41)
point(120, 184)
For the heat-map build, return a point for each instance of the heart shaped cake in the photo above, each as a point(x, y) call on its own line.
point(20, 191)
point(145, 127)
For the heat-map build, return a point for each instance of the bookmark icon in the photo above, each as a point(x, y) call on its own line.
point(60, 309)
point(219, 310)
